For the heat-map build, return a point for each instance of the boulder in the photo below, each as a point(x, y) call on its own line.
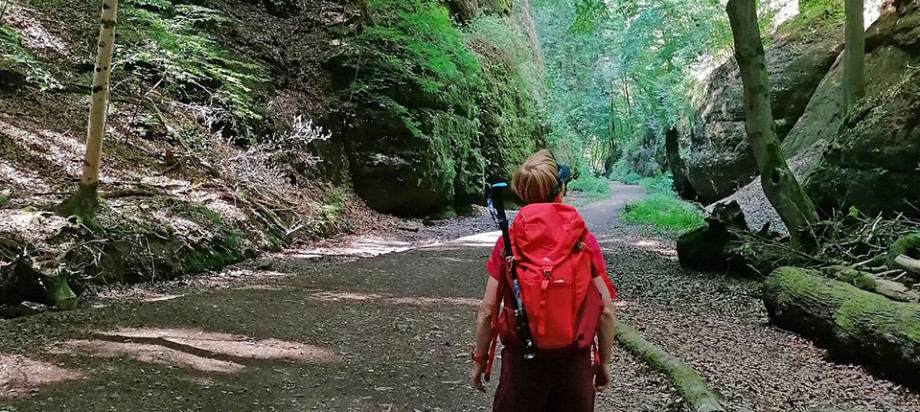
point(872, 163)
point(720, 159)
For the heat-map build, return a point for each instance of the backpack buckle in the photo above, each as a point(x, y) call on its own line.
point(548, 272)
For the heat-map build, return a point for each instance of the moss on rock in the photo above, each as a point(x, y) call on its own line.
point(435, 116)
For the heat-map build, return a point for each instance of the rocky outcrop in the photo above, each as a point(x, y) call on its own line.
point(720, 159)
point(873, 163)
point(429, 128)
point(833, 177)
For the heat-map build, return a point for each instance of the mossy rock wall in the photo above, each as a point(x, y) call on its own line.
point(872, 162)
point(437, 109)
point(720, 160)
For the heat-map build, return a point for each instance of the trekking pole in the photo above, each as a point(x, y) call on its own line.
point(497, 210)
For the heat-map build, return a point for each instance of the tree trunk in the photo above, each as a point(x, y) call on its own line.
point(678, 169)
point(854, 325)
point(854, 55)
point(85, 201)
point(779, 184)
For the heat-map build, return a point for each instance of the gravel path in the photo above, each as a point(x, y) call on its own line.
point(399, 326)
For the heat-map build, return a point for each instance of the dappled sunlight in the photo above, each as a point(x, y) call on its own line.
point(485, 239)
point(19, 375)
point(153, 354)
point(390, 299)
point(35, 36)
point(194, 348)
point(62, 151)
point(368, 246)
point(23, 179)
point(610, 243)
point(236, 346)
point(657, 247)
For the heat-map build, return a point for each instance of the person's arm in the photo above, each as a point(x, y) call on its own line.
point(605, 335)
point(484, 332)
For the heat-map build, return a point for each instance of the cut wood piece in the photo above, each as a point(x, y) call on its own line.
point(873, 283)
point(686, 380)
point(908, 263)
point(854, 325)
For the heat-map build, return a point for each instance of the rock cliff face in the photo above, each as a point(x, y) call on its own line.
point(436, 111)
point(873, 163)
point(720, 159)
point(870, 159)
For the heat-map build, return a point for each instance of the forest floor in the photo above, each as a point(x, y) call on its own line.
point(296, 331)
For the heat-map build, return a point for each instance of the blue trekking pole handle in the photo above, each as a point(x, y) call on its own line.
point(497, 210)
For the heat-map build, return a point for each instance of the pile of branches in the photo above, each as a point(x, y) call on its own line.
point(877, 254)
point(879, 247)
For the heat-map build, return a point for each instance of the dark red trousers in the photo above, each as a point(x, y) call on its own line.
point(563, 383)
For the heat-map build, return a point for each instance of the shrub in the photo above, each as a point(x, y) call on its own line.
point(665, 212)
point(662, 208)
point(594, 187)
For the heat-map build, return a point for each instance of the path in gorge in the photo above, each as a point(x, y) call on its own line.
point(393, 333)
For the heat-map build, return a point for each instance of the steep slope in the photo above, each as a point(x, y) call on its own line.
point(241, 126)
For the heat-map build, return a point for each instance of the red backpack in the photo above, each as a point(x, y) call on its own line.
point(555, 278)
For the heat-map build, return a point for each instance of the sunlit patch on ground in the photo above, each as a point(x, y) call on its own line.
point(396, 300)
point(486, 239)
point(19, 375)
point(666, 250)
point(154, 354)
point(362, 247)
point(195, 349)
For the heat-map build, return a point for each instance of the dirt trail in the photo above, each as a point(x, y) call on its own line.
point(393, 332)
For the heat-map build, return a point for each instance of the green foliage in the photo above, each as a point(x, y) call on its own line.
point(14, 57)
point(226, 250)
point(160, 41)
point(594, 187)
point(333, 204)
point(614, 68)
point(662, 208)
point(413, 44)
point(510, 94)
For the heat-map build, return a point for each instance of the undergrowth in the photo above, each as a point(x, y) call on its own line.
point(14, 57)
point(593, 187)
point(167, 44)
point(662, 208)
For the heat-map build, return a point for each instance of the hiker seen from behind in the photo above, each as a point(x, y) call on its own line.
point(548, 300)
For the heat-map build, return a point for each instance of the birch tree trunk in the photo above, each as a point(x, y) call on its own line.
point(854, 55)
point(794, 207)
point(85, 201)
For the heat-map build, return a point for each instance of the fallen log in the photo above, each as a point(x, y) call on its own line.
point(684, 378)
point(908, 263)
point(854, 325)
point(872, 283)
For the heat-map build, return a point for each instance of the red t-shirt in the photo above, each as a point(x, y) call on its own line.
point(496, 264)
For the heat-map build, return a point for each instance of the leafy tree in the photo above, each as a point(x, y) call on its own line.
point(617, 69)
